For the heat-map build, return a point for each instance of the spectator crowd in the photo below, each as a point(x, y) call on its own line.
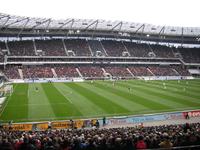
point(127, 138)
point(110, 48)
point(92, 71)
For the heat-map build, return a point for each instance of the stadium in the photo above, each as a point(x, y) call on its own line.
point(98, 84)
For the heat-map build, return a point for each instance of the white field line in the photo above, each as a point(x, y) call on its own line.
point(64, 94)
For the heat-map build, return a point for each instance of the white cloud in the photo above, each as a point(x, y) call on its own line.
point(158, 12)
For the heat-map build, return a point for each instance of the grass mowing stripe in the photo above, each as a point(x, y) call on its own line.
point(39, 106)
point(31, 101)
point(181, 85)
point(123, 102)
point(184, 93)
point(177, 88)
point(189, 82)
point(154, 99)
point(174, 92)
point(54, 96)
point(126, 99)
point(192, 90)
point(19, 97)
point(196, 83)
point(102, 102)
point(138, 98)
point(166, 95)
point(151, 95)
point(86, 107)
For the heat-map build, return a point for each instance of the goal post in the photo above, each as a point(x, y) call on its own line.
point(7, 89)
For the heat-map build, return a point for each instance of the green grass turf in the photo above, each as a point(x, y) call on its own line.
point(58, 101)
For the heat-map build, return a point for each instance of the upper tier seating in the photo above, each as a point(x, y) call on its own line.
point(51, 47)
point(2, 45)
point(190, 55)
point(181, 71)
point(78, 46)
point(162, 51)
point(96, 48)
point(138, 50)
point(21, 48)
point(113, 48)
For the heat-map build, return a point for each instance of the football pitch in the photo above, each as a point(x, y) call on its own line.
point(61, 101)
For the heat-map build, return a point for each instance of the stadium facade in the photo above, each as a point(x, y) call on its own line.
point(95, 49)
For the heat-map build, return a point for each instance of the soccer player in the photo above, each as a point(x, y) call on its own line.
point(129, 89)
point(113, 83)
point(36, 89)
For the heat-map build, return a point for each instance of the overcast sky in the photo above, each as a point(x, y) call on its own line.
point(184, 13)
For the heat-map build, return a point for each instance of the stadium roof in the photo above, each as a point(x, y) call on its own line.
point(17, 26)
point(8, 21)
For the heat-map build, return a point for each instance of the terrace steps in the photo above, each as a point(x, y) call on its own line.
point(79, 73)
point(35, 49)
point(126, 49)
point(7, 47)
point(20, 73)
point(103, 48)
point(54, 72)
point(64, 47)
point(130, 72)
point(150, 71)
point(89, 48)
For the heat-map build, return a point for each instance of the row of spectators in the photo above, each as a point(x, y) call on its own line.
point(163, 71)
point(37, 72)
point(137, 50)
point(64, 71)
point(91, 71)
point(118, 71)
point(11, 72)
point(128, 138)
point(82, 47)
point(113, 48)
point(190, 55)
point(50, 47)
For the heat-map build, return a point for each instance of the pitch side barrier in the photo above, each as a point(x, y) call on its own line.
point(46, 80)
point(166, 77)
point(102, 122)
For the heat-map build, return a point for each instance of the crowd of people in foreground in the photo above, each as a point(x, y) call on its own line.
point(128, 138)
